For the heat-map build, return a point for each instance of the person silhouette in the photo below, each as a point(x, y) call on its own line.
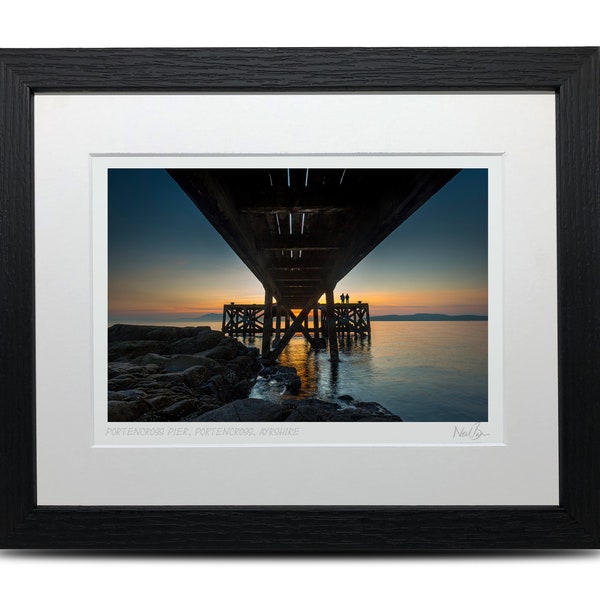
point(347, 299)
point(342, 298)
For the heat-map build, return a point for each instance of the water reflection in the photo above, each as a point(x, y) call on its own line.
point(421, 371)
point(334, 377)
point(431, 371)
point(320, 377)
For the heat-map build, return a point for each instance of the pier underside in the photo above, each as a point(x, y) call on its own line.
point(300, 231)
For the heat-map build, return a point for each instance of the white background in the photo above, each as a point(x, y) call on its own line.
point(67, 23)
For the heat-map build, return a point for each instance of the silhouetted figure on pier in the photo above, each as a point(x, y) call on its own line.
point(347, 299)
point(342, 298)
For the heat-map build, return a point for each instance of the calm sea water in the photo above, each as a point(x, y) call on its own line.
point(421, 371)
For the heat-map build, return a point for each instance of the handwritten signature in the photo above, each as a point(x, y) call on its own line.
point(472, 432)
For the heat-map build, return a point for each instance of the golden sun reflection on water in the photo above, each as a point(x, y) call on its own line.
point(421, 371)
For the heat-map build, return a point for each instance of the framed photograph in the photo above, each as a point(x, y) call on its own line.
point(300, 300)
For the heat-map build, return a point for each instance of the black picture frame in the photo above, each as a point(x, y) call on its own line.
point(573, 74)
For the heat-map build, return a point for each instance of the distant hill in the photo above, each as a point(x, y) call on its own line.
point(206, 317)
point(429, 317)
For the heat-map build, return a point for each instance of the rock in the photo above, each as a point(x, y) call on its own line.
point(181, 362)
point(195, 377)
point(289, 378)
point(244, 366)
point(159, 402)
point(177, 411)
point(175, 333)
point(125, 333)
point(122, 382)
point(241, 389)
point(312, 409)
point(247, 409)
point(127, 395)
point(217, 387)
point(229, 376)
point(205, 340)
point(193, 369)
point(310, 414)
point(375, 410)
point(113, 372)
point(168, 379)
point(267, 365)
point(212, 365)
point(226, 350)
point(127, 411)
point(132, 349)
point(151, 359)
point(127, 369)
point(205, 404)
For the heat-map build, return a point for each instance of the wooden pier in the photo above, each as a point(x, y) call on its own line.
point(241, 320)
point(300, 231)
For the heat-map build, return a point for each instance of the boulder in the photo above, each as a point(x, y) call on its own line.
point(244, 366)
point(204, 404)
point(178, 410)
point(247, 409)
point(288, 377)
point(241, 389)
point(212, 365)
point(314, 410)
point(168, 379)
point(127, 411)
point(169, 334)
point(122, 382)
point(346, 398)
point(195, 377)
point(181, 362)
point(205, 340)
point(151, 359)
point(225, 350)
point(127, 395)
point(123, 333)
point(155, 368)
point(218, 387)
point(132, 349)
point(161, 401)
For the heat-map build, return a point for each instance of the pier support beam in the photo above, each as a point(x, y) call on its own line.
point(304, 330)
point(278, 322)
point(267, 324)
point(316, 320)
point(331, 326)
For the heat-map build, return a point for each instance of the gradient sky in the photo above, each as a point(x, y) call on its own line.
point(166, 261)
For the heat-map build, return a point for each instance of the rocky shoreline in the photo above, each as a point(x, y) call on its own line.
point(160, 373)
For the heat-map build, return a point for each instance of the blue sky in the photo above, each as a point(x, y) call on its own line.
point(166, 259)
